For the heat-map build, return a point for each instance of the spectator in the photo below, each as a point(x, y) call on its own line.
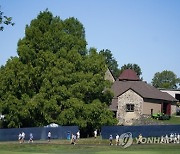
point(95, 133)
point(73, 139)
point(20, 138)
point(171, 137)
point(30, 138)
point(178, 138)
point(49, 136)
point(23, 136)
point(110, 140)
point(140, 139)
point(166, 139)
point(117, 139)
point(78, 135)
point(175, 139)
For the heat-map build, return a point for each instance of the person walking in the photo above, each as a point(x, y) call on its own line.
point(110, 140)
point(95, 133)
point(30, 138)
point(23, 136)
point(140, 139)
point(78, 135)
point(117, 139)
point(49, 136)
point(20, 137)
point(73, 139)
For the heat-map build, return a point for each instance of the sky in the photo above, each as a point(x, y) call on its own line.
point(143, 32)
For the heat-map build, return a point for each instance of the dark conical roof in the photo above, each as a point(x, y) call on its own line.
point(129, 75)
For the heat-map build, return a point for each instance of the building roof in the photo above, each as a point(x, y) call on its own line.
point(141, 88)
point(129, 75)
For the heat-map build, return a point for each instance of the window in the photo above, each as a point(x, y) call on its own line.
point(177, 96)
point(115, 114)
point(129, 107)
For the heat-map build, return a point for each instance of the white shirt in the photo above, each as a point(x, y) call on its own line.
point(23, 135)
point(49, 134)
point(117, 137)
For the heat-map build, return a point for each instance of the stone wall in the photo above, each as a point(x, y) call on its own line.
point(147, 106)
point(109, 76)
point(173, 109)
point(129, 97)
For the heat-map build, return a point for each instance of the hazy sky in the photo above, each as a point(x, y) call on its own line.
point(145, 32)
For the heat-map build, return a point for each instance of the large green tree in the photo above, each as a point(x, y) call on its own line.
point(55, 78)
point(165, 79)
point(110, 62)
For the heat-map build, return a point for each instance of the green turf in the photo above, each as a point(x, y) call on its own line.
point(85, 146)
point(174, 120)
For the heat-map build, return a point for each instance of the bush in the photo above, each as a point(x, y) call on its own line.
point(161, 116)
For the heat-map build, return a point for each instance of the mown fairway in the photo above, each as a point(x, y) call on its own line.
point(85, 146)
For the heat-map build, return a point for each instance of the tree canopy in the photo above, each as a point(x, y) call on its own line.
point(165, 79)
point(110, 62)
point(55, 78)
point(4, 20)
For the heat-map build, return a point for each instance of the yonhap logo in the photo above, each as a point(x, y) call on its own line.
point(126, 139)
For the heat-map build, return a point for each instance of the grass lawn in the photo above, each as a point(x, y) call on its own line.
point(174, 120)
point(88, 146)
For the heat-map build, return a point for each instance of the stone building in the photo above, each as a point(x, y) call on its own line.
point(109, 76)
point(134, 98)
